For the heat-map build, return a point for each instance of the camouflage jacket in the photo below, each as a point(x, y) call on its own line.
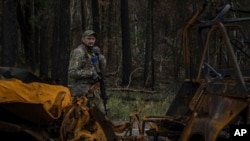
point(80, 65)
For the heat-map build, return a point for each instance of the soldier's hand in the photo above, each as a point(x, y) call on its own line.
point(96, 77)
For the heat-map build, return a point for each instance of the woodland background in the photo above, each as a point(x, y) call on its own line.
point(141, 39)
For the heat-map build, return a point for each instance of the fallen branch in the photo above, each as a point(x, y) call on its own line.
point(132, 90)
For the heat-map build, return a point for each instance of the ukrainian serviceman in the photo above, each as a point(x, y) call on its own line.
point(83, 71)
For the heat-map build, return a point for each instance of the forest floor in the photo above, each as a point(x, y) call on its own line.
point(131, 107)
point(124, 102)
point(135, 134)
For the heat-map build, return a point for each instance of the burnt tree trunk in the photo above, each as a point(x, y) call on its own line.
point(95, 13)
point(10, 34)
point(25, 12)
point(61, 46)
point(148, 48)
point(55, 43)
point(126, 51)
point(111, 53)
point(44, 49)
point(152, 46)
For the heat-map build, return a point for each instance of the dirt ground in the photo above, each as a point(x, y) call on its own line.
point(134, 134)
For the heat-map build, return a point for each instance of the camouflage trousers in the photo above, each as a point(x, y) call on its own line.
point(94, 99)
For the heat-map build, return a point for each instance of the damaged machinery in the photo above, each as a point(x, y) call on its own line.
point(215, 93)
point(33, 110)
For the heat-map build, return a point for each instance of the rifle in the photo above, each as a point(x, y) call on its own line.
point(104, 95)
point(100, 84)
point(100, 79)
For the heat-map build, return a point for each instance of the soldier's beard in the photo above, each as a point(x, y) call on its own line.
point(89, 47)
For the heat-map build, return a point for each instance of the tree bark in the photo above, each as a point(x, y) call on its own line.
point(44, 49)
point(55, 43)
point(61, 46)
point(25, 12)
point(110, 56)
point(64, 43)
point(126, 51)
point(148, 47)
point(95, 13)
point(10, 36)
point(152, 46)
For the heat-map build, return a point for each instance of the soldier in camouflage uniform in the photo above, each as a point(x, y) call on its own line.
point(83, 69)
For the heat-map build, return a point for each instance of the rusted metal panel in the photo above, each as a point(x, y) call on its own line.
point(179, 106)
point(212, 115)
point(226, 87)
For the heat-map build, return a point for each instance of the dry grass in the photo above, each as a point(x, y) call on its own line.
point(121, 104)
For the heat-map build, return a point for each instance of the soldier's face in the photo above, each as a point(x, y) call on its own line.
point(89, 40)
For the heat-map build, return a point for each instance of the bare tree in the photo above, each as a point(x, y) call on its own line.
point(111, 47)
point(25, 11)
point(96, 17)
point(61, 49)
point(148, 47)
point(10, 34)
point(44, 47)
point(126, 51)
